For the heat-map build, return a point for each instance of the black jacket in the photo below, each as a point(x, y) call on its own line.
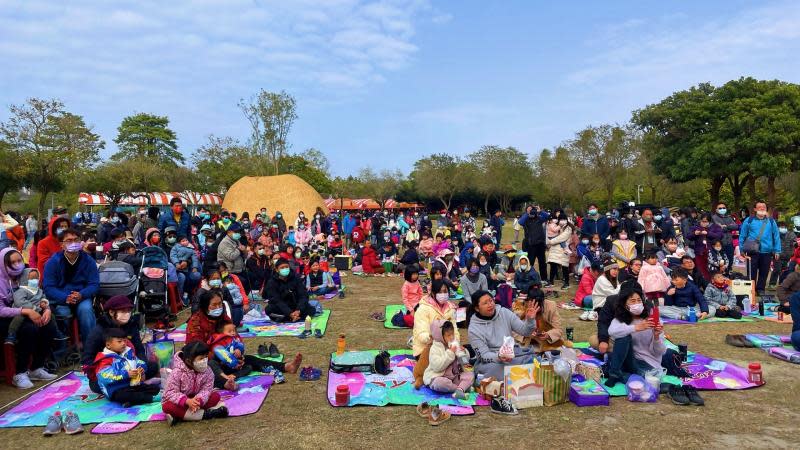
point(257, 271)
point(410, 257)
point(286, 295)
point(95, 343)
point(604, 317)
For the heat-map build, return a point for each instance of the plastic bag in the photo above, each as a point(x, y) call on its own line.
point(640, 391)
point(507, 349)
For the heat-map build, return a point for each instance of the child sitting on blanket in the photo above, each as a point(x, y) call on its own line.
point(189, 394)
point(412, 293)
point(717, 259)
point(318, 281)
point(120, 374)
point(719, 295)
point(226, 358)
point(682, 295)
point(445, 371)
point(29, 295)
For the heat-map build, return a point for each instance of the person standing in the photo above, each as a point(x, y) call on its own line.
point(497, 223)
point(31, 227)
point(596, 223)
point(728, 225)
point(534, 235)
point(760, 242)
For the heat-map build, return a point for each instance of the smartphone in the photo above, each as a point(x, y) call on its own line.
point(655, 316)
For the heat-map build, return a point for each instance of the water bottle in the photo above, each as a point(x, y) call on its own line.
point(747, 305)
point(692, 314)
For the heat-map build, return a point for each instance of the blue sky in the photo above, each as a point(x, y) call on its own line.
point(383, 83)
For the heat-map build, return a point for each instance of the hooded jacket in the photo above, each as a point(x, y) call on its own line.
point(222, 348)
point(524, 279)
point(180, 253)
point(428, 311)
point(111, 369)
point(95, 342)
point(7, 286)
point(555, 253)
point(602, 289)
point(86, 279)
point(442, 361)
point(49, 245)
point(185, 382)
point(486, 335)
point(229, 253)
point(653, 278)
point(369, 260)
point(25, 297)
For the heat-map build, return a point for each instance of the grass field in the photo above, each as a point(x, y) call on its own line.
point(297, 414)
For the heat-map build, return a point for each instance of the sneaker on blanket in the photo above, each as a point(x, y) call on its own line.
point(503, 406)
point(277, 375)
point(273, 350)
point(54, 424)
point(263, 351)
point(41, 375)
point(72, 424)
point(584, 315)
point(693, 396)
point(678, 395)
point(459, 395)
point(592, 316)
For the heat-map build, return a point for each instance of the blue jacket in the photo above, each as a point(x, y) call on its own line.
point(770, 239)
point(689, 295)
point(86, 280)
point(112, 369)
point(348, 223)
point(223, 347)
point(524, 279)
point(180, 253)
point(402, 226)
point(167, 219)
point(599, 226)
point(466, 255)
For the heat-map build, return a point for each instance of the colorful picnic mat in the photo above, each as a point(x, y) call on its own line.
point(396, 388)
point(391, 310)
point(267, 328)
point(708, 320)
point(72, 393)
point(330, 295)
point(771, 316)
point(778, 346)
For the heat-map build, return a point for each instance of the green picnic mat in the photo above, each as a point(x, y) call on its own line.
point(277, 359)
point(391, 310)
point(620, 390)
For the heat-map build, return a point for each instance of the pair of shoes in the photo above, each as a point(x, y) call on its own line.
point(503, 406)
point(305, 334)
point(318, 333)
point(378, 316)
point(268, 352)
point(310, 374)
point(588, 315)
point(685, 395)
point(41, 375)
point(584, 315)
point(215, 413)
point(565, 287)
point(69, 424)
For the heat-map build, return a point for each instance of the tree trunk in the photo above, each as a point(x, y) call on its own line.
point(653, 194)
point(42, 201)
point(771, 194)
point(716, 185)
point(486, 206)
point(737, 188)
point(609, 197)
point(2, 196)
point(751, 189)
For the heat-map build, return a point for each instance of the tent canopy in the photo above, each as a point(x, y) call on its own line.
point(152, 199)
point(366, 203)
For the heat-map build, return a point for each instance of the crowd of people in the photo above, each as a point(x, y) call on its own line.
point(458, 276)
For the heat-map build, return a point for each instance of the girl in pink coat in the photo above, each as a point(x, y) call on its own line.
point(653, 278)
point(189, 394)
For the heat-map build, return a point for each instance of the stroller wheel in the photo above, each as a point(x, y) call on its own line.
point(72, 359)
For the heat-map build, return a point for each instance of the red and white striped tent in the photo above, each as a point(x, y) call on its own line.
point(152, 198)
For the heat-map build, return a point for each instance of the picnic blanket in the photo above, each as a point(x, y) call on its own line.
point(771, 316)
point(330, 295)
point(708, 320)
point(390, 311)
point(396, 388)
point(707, 373)
point(72, 393)
point(266, 328)
point(778, 346)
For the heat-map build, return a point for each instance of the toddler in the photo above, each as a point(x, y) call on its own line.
point(120, 374)
point(29, 295)
point(189, 394)
point(445, 371)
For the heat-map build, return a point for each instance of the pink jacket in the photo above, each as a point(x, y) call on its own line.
point(302, 237)
point(412, 294)
point(653, 278)
point(185, 383)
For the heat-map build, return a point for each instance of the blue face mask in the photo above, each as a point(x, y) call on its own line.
point(284, 272)
point(214, 283)
point(722, 211)
point(216, 312)
point(33, 283)
point(236, 236)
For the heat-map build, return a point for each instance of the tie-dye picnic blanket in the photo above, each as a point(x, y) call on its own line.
point(776, 345)
point(707, 373)
point(700, 322)
point(771, 316)
point(396, 388)
point(267, 328)
point(72, 393)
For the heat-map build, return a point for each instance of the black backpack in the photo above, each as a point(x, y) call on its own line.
point(382, 363)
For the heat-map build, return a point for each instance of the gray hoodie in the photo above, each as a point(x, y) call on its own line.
point(486, 336)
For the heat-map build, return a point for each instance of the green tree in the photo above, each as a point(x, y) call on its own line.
point(566, 180)
point(10, 175)
point(221, 162)
point(119, 179)
point(310, 173)
point(53, 145)
point(149, 137)
point(609, 151)
point(271, 116)
point(502, 173)
point(441, 177)
point(380, 186)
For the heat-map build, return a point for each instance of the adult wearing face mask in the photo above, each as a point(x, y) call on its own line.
point(35, 335)
point(258, 267)
point(760, 242)
point(596, 223)
point(119, 314)
point(50, 245)
point(788, 242)
point(728, 225)
point(535, 239)
point(287, 295)
point(71, 281)
point(176, 217)
point(231, 251)
point(278, 219)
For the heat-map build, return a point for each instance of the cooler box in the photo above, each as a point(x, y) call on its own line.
point(587, 393)
point(343, 262)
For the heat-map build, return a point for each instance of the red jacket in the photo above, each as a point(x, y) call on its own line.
point(50, 245)
point(200, 327)
point(358, 234)
point(369, 260)
point(585, 286)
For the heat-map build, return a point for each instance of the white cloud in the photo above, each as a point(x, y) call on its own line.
point(675, 47)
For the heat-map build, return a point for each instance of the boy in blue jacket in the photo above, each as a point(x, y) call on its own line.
point(120, 374)
point(682, 295)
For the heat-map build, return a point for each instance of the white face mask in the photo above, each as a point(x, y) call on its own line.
point(442, 297)
point(761, 214)
point(636, 309)
point(201, 365)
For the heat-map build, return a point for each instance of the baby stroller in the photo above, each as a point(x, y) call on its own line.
point(153, 289)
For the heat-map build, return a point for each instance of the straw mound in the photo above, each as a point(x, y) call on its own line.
point(288, 194)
